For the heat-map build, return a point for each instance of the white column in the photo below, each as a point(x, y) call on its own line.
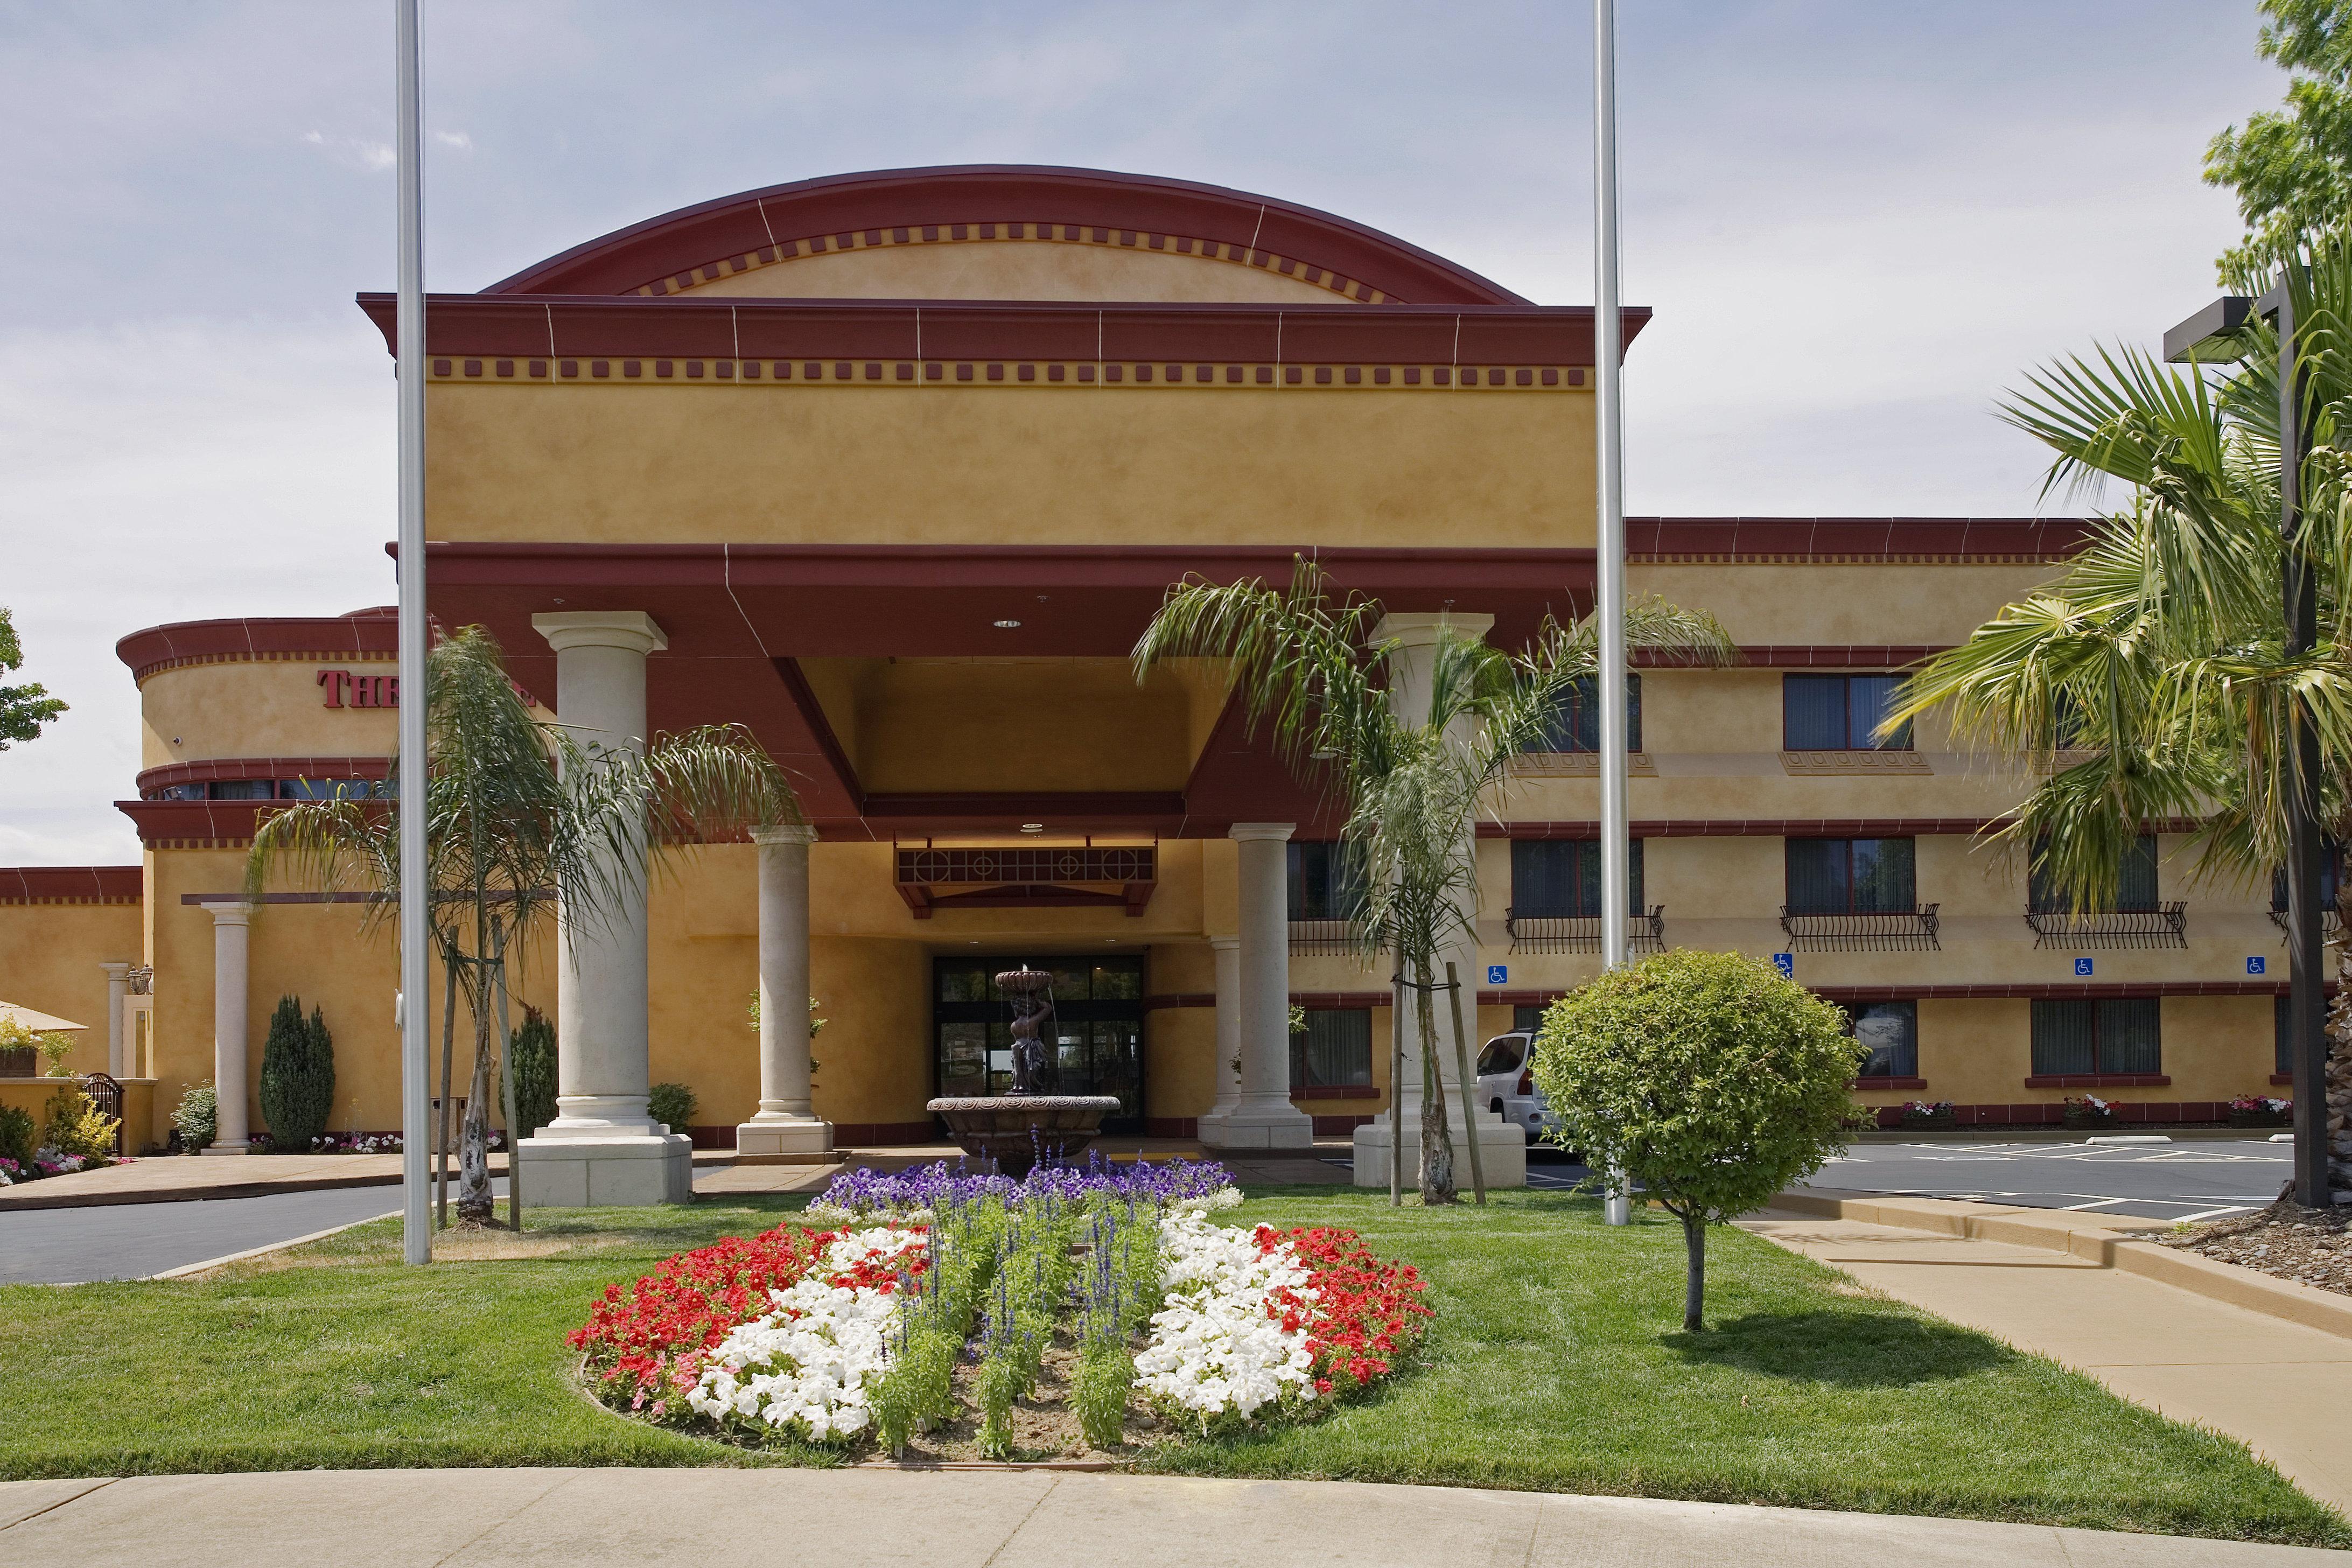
point(786, 1131)
point(1262, 1116)
point(1503, 1146)
point(231, 930)
point(1227, 952)
point(117, 987)
point(602, 1148)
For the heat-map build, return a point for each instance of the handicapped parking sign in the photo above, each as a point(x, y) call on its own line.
point(1785, 962)
point(1496, 973)
point(2082, 966)
point(2256, 966)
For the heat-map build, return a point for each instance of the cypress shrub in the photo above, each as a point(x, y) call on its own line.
point(531, 1058)
point(297, 1076)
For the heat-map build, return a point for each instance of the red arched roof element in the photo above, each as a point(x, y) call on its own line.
point(892, 199)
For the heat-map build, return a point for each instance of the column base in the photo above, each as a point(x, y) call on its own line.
point(783, 1141)
point(1246, 1126)
point(218, 1148)
point(1503, 1149)
point(613, 1172)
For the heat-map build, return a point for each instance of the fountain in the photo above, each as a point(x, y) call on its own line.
point(1013, 1129)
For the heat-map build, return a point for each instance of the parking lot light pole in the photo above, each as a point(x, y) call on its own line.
point(2215, 335)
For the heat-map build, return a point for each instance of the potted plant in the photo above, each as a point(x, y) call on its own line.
point(2260, 1110)
point(1930, 1113)
point(2088, 1111)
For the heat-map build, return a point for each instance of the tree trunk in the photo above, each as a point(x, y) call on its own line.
point(448, 1055)
point(1396, 1098)
point(507, 1081)
point(2339, 1047)
point(474, 1199)
point(1436, 1144)
point(1469, 1088)
point(1694, 1287)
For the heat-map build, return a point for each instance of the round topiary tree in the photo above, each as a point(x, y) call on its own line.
point(1705, 1078)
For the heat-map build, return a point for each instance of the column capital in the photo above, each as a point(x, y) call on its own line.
point(230, 915)
point(118, 972)
point(785, 832)
point(1416, 629)
point(1246, 831)
point(632, 629)
point(1224, 944)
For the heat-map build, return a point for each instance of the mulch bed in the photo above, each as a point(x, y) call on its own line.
point(2310, 1247)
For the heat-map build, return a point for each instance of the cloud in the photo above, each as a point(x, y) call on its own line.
point(355, 151)
point(455, 139)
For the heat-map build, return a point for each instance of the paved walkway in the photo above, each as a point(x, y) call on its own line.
point(853, 1517)
point(2279, 1386)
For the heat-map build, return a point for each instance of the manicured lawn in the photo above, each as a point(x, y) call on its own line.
point(1557, 1363)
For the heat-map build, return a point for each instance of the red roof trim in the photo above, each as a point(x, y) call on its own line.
point(181, 641)
point(1671, 539)
point(577, 327)
point(751, 221)
point(71, 884)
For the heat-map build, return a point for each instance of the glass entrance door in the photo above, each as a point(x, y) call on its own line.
point(1097, 1028)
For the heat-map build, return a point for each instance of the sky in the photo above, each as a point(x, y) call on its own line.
point(1859, 221)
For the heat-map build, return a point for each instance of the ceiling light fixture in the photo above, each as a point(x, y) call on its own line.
point(1008, 625)
point(1033, 827)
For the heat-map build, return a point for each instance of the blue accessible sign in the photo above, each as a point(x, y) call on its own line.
point(2256, 966)
point(2082, 966)
point(1785, 962)
point(1497, 973)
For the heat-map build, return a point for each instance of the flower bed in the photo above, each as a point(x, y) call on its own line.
point(2088, 1111)
point(1090, 1308)
point(2260, 1110)
point(48, 1164)
point(1930, 1113)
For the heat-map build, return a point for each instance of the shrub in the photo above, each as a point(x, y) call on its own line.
point(530, 1057)
point(672, 1105)
point(17, 1140)
point(197, 1117)
point(297, 1076)
point(1707, 1079)
point(76, 1125)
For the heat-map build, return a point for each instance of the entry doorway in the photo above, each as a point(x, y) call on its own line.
point(1098, 1027)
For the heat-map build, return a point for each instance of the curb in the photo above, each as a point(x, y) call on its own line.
point(227, 1259)
point(201, 1193)
point(2108, 1245)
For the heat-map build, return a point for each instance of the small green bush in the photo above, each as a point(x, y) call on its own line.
point(75, 1126)
point(297, 1076)
point(1705, 1078)
point(197, 1117)
point(531, 1055)
point(17, 1140)
point(672, 1105)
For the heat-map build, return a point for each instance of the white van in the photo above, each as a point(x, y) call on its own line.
point(1508, 1087)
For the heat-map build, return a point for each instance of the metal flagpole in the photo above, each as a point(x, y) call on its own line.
point(1608, 346)
point(415, 979)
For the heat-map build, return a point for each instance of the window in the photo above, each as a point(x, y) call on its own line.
point(1556, 878)
point(331, 789)
point(243, 789)
point(1324, 884)
point(1851, 876)
point(1839, 713)
point(1504, 1053)
point(2282, 1031)
point(2330, 869)
point(1335, 1051)
point(2134, 882)
point(2122, 1035)
point(1526, 1020)
point(1890, 1030)
point(1576, 724)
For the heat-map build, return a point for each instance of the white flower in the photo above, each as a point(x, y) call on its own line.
point(1213, 1347)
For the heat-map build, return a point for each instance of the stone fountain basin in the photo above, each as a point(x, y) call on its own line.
point(999, 1127)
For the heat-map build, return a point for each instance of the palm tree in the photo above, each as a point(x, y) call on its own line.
point(2151, 683)
point(516, 809)
point(1412, 783)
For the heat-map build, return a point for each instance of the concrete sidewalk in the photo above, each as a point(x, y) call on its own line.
point(1007, 1519)
point(2282, 1387)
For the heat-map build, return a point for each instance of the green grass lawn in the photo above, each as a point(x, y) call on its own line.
point(1557, 1362)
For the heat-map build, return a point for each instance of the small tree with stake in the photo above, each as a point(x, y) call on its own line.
point(1708, 1078)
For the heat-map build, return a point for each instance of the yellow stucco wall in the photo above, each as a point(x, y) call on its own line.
point(952, 725)
point(49, 958)
point(979, 464)
point(1022, 270)
point(272, 708)
point(32, 1096)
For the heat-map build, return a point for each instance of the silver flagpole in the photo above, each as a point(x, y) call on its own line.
point(1608, 351)
point(415, 979)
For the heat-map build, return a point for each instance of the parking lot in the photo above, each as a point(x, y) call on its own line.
point(2190, 1180)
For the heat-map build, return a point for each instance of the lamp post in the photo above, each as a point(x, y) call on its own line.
point(2216, 335)
point(408, 330)
point(1608, 359)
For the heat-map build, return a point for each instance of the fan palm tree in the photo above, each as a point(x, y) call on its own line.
point(1315, 672)
point(2151, 683)
point(515, 808)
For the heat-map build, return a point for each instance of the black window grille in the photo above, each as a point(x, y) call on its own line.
point(1839, 713)
point(1327, 897)
point(2119, 1034)
point(2331, 873)
point(1556, 898)
point(2132, 915)
point(1856, 895)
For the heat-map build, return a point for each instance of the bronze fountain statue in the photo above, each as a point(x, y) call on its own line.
point(1013, 1128)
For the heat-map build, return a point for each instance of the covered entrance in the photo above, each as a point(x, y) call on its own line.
point(1098, 1027)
